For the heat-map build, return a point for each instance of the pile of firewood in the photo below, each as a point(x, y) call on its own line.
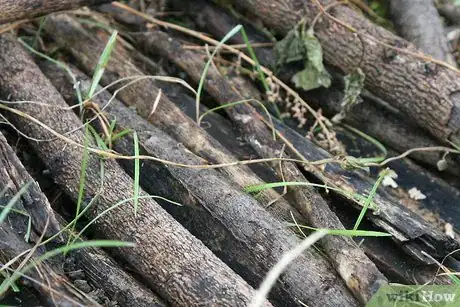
point(204, 152)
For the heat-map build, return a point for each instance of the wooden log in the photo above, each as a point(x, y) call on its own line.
point(103, 272)
point(222, 216)
point(12, 10)
point(389, 127)
point(419, 22)
point(387, 255)
point(441, 198)
point(168, 117)
point(427, 93)
point(33, 201)
point(106, 274)
point(408, 229)
point(53, 288)
point(396, 264)
point(170, 260)
point(362, 280)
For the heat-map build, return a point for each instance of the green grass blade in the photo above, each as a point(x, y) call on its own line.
point(39, 31)
point(81, 185)
point(103, 61)
point(208, 63)
point(370, 198)
point(252, 54)
point(106, 211)
point(100, 142)
point(265, 186)
point(62, 250)
point(59, 64)
point(120, 134)
point(257, 67)
point(13, 201)
point(370, 139)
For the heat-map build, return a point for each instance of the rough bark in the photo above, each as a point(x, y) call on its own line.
point(106, 274)
point(13, 177)
point(387, 126)
point(33, 201)
point(223, 217)
point(360, 274)
point(171, 261)
point(168, 117)
point(13, 10)
point(388, 256)
point(53, 288)
point(408, 229)
point(427, 93)
point(419, 22)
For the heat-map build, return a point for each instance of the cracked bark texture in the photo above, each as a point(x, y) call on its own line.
point(221, 215)
point(168, 117)
point(13, 176)
point(13, 10)
point(388, 126)
point(360, 274)
point(176, 265)
point(428, 93)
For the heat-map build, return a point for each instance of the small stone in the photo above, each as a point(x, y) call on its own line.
point(416, 194)
point(82, 285)
point(449, 230)
point(442, 165)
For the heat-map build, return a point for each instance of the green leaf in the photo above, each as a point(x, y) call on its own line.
point(310, 78)
point(13, 201)
point(314, 52)
point(303, 45)
point(290, 49)
point(354, 83)
point(103, 61)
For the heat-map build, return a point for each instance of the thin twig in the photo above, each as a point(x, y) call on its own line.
point(246, 58)
point(377, 41)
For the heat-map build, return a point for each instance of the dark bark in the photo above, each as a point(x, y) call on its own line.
point(427, 93)
point(418, 21)
point(408, 229)
point(13, 176)
point(170, 260)
point(360, 274)
point(53, 288)
point(168, 117)
point(451, 12)
point(223, 217)
point(13, 10)
point(33, 201)
point(106, 274)
point(389, 127)
point(397, 266)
